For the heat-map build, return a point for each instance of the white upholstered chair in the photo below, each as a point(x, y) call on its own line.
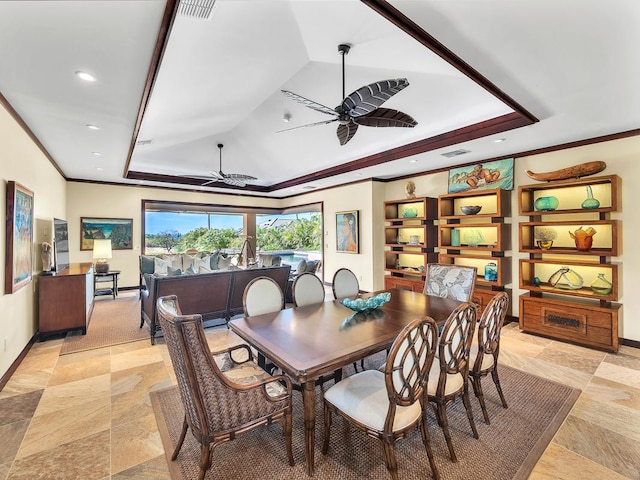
point(448, 378)
point(450, 281)
point(388, 405)
point(483, 358)
point(307, 290)
point(345, 284)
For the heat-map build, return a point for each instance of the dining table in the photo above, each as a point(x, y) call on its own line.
point(315, 340)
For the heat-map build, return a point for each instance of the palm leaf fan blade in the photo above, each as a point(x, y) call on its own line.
point(346, 132)
point(386, 117)
point(366, 99)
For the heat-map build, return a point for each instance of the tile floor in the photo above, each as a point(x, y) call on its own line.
point(88, 416)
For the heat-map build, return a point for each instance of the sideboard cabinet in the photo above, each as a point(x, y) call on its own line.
point(65, 300)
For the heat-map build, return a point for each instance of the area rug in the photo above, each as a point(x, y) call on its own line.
point(114, 321)
point(507, 449)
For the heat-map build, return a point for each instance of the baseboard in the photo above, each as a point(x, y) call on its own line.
point(630, 343)
point(14, 366)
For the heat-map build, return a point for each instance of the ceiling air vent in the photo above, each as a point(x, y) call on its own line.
point(143, 142)
point(196, 8)
point(455, 153)
point(309, 187)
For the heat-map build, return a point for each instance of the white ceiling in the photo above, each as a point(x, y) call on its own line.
point(572, 64)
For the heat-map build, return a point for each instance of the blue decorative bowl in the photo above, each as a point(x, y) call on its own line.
point(365, 304)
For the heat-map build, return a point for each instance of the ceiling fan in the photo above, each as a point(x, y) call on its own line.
point(235, 179)
point(360, 107)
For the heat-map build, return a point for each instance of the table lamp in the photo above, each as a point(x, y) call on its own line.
point(101, 251)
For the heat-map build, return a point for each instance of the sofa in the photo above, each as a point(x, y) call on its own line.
point(214, 294)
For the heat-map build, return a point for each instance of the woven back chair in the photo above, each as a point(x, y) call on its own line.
point(388, 405)
point(448, 378)
point(307, 290)
point(450, 281)
point(345, 284)
point(218, 406)
point(486, 348)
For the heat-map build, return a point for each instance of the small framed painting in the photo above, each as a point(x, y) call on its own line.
point(118, 230)
point(482, 176)
point(347, 228)
point(19, 238)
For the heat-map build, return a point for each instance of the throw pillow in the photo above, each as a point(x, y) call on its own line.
point(215, 257)
point(173, 272)
point(224, 262)
point(203, 262)
point(146, 264)
point(160, 266)
point(312, 266)
point(302, 267)
point(188, 260)
point(191, 270)
point(176, 261)
point(202, 269)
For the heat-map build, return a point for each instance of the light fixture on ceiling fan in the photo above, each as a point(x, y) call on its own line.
point(235, 179)
point(360, 107)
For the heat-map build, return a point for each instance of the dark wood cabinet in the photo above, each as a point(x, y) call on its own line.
point(65, 300)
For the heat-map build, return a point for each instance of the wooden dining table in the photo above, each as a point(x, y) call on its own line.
point(315, 340)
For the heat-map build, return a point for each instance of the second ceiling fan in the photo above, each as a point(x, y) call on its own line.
point(361, 107)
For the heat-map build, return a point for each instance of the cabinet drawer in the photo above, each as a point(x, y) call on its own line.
point(584, 324)
point(404, 283)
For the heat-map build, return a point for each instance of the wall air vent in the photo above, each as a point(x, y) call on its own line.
point(196, 8)
point(455, 153)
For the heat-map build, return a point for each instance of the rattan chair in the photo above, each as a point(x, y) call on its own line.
point(307, 290)
point(389, 405)
point(450, 281)
point(345, 284)
point(448, 378)
point(485, 349)
point(220, 405)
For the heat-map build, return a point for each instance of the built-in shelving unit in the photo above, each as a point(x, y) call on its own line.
point(410, 241)
point(478, 239)
point(567, 307)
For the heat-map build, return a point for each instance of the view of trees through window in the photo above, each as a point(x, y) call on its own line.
point(174, 232)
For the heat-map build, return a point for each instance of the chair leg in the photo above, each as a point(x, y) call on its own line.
point(327, 429)
point(467, 406)
point(389, 450)
point(442, 413)
point(286, 425)
point(476, 382)
point(426, 440)
point(496, 380)
point(205, 461)
point(183, 434)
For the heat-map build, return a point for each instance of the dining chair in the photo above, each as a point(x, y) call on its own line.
point(307, 290)
point(220, 405)
point(448, 378)
point(450, 281)
point(389, 405)
point(483, 358)
point(345, 284)
point(262, 295)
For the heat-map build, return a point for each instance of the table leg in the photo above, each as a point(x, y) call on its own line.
point(115, 283)
point(309, 402)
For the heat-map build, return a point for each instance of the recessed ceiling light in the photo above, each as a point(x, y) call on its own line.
point(498, 140)
point(413, 160)
point(97, 154)
point(90, 126)
point(99, 169)
point(358, 174)
point(87, 77)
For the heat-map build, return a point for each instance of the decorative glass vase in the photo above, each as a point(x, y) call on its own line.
point(590, 202)
point(546, 204)
point(473, 237)
point(544, 244)
point(491, 272)
point(583, 238)
point(455, 237)
point(601, 285)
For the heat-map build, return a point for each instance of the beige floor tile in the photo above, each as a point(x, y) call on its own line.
point(620, 374)
point(134, 442)
point(71, 372)
point(607, 391)
point(619, 419)
point(135, 358)
point(83, 459)
point(558, 373)
point(573, 357)
point(21, 383)
point(130, 347)
point(130, 391)
point(154, 469)
point(558, 463)
point(83, 356)
point(74, 395)
point(625, 358)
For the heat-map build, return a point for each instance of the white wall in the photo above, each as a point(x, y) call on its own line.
point(23, 162)
point(622, 159)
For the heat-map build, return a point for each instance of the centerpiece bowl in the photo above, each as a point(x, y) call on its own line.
point(366, 304)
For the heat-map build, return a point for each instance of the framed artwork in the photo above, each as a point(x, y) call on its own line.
point(19, 246)
point(347, 228)
point(118, 230)
point(482, 176)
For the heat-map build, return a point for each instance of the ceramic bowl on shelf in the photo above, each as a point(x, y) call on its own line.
point(471, 209)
